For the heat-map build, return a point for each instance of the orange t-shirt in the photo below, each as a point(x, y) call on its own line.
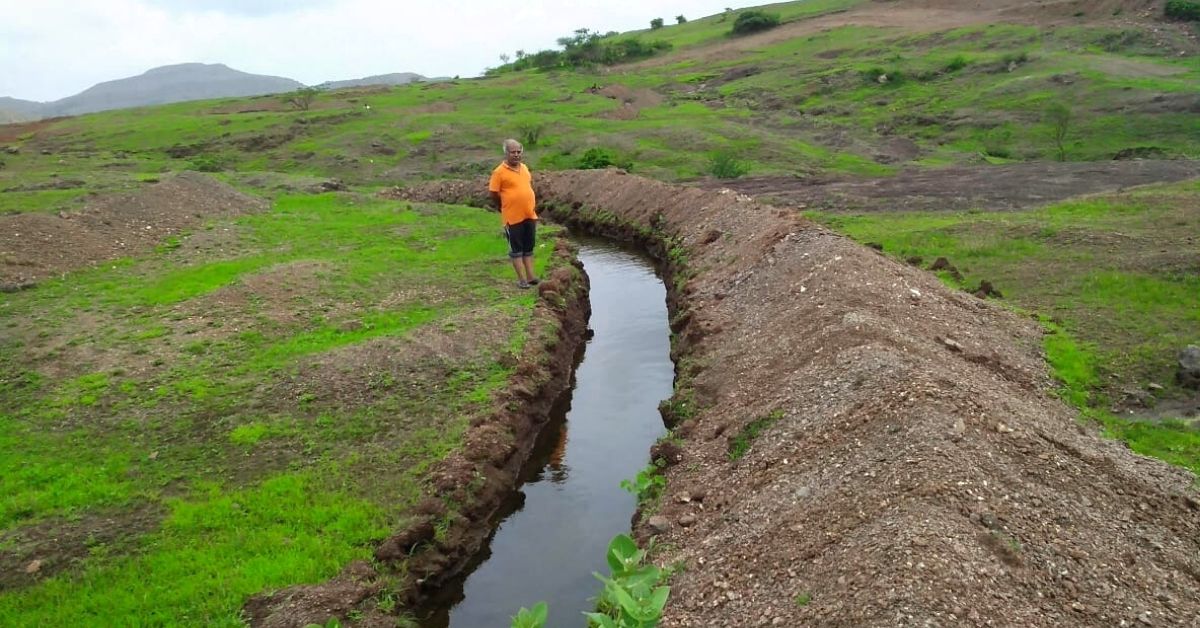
point(516, 193)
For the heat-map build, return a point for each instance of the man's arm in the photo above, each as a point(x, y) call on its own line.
point(495, 200)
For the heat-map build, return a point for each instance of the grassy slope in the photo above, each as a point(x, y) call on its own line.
point(244, 393)
point(181, 415)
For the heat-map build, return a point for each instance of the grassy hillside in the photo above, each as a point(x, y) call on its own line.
point(188, 412)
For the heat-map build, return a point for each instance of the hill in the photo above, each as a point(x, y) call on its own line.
point(168, 84)
point(395, 78)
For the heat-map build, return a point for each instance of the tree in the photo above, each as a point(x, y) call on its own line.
point(656, 23)
point(504, 58)
point(1058, 116)
point(754, 21)
point(302, 98)
point(679, 19)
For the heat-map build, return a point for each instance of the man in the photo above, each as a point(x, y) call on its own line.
point(511, 188)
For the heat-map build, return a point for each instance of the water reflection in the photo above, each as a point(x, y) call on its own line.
point(554, 531)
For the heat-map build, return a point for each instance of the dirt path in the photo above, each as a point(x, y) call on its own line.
point(1006, 187)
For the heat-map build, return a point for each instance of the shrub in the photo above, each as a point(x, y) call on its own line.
point(597, 158)
point(656, 23)
point(1058, 117)
point(1183, 10)
point(530, 132)
point(679, 19)
point(723, 165)
point(754, 21)
point(302, 98)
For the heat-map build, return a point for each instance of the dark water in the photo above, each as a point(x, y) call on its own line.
point(555, 531)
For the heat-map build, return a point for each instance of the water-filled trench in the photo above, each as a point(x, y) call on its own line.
point(553, 532)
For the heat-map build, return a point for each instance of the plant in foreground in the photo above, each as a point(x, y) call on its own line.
point(531, 618)
point(632, 597)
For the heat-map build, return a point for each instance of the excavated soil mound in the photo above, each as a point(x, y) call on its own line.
point(911, 463)
point(34, 246)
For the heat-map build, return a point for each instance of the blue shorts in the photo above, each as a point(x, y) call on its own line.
point(520, 238)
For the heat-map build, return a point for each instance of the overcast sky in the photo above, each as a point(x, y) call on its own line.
point(50, 49)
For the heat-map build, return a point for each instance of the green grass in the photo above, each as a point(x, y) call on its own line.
point(233, 396)
point(741, 443)
point(210, 553)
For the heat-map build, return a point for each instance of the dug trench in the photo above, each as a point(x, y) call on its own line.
point(853, 443)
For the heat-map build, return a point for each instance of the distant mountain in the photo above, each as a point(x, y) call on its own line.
point(177, 83)
point(396, 78)
point(17, 110)
point(170, 83)
point(159, 86)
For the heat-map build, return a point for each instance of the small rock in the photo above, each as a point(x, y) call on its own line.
point(33, 567)
point(952, 344)
point(658, 524)
point(1154, 386)
point(687, 520)
point(1189, 367)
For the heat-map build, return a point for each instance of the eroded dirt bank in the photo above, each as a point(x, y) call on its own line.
point(915, 467)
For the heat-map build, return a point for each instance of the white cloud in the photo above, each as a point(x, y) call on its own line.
point(56, 48)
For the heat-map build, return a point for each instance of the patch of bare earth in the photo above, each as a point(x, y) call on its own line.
point(34, 246)
point(921, 470)
point(993, 187)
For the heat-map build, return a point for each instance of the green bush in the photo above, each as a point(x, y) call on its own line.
point(1183, 10)
point(656, 23)
point(957, 63)
point(596, 158)
point(754, 21)
point(723, 165)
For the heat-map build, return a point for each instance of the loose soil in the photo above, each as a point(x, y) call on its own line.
point(34, 246)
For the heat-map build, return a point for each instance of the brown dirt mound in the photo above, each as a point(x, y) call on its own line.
point(920, 470)
point(34, 246)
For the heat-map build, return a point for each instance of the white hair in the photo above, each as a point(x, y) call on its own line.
point(510, 142)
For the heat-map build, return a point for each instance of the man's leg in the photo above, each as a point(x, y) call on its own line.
point(528, 263)
point(519, 266)
point(512, 232)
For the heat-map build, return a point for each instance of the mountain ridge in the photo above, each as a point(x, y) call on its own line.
point(176, 83)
